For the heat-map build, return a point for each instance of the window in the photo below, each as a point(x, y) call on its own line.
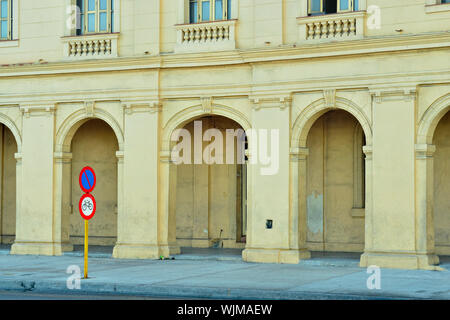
point(6, 17)
point(96, 16)
point(318, 7)
point(209, 10)
point(445, 1)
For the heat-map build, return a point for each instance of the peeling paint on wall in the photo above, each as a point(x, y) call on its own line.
point(314, 204)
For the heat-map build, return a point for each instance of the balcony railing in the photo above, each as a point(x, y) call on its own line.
point(332, 27)
point(206, 36)
point(95, 46)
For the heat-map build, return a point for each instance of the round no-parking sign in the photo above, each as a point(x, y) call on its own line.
point(87, 179)
point(87, 206)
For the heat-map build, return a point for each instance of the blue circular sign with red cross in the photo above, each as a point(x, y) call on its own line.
point(87, 179)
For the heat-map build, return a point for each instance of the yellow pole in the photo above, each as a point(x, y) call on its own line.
point(86, 229)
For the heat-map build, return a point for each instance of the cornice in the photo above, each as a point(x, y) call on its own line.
point(370, 45)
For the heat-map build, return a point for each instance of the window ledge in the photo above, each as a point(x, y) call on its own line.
point(358, 212)
point(206, 36)
point(91, 46)
point(437, 8)
point(9, 43)
point(332, 27)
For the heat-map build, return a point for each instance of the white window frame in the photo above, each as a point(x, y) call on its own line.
point(13, 22)
point(183, 11)
point(304, 5)
point(69, 4)
point(433, 6)
point(96, 12)
point(212, 10)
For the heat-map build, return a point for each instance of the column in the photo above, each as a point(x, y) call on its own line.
point(62, 200)
point(138, 221)
point(368, 210)
point(1, 184)
point(424, 206)
point(395, 220)
point(299, 224)
point(37, 226)
point(168, 179)
point(271, 190)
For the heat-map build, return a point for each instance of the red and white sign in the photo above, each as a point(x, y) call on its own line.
point(87, 206)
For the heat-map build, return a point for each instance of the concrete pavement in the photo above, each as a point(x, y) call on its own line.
point(219, 274)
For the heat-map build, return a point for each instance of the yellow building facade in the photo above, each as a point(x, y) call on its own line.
point(358, 92)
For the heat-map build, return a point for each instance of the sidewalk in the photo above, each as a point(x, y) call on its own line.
point(214, 274)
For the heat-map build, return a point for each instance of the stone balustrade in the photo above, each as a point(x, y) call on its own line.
point(206, 36)
point(95, 46)
point(332, 26)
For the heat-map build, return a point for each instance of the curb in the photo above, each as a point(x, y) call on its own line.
point(185, 292)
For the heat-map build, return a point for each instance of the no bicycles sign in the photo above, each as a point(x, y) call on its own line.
point(87, 206)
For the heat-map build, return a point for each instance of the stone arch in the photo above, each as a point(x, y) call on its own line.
point(186, 115)
point(179, 120)
point(425, 192)
point(63, 156)
point(5, 120)
point(300, 132)
point(431, 118)
point(70, 126)
point(10, 197)
point(311, 113)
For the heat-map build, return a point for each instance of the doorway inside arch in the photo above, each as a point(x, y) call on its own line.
point(441, 180)
point(335, 184)
point(95, 144)
point(209, 198)
point(8, 148)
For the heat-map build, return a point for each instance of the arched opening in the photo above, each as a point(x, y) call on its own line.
point(8, 148)
point(441, 188)
point(94, 144)
point(335, 191)
point(208, 195)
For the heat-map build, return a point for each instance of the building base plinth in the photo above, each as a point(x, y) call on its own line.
point(174, 249)
point(275, 255)
point(400, 260)
point(139, 251)
point(37, 248)
point(67, 247)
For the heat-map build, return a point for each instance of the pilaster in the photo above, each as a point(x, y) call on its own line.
point(393, 218)
point(38, 227)
point(138, 221)
point(272, 191)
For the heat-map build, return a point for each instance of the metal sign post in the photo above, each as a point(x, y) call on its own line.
point(87, 208)
point(86, 247)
